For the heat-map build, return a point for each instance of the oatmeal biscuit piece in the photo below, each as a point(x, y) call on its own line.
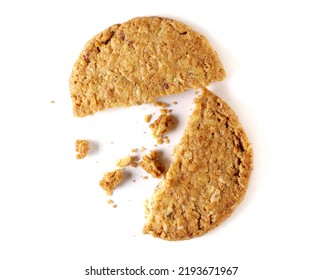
point(138, 61)
point(82, 148)
point(152, 164)
point(162, 125)
point(110, 180)
point(123, 162)
point(208, 177)
point(147, 118)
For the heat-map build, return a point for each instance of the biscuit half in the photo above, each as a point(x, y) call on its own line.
point(137, 61)
point(208, 177)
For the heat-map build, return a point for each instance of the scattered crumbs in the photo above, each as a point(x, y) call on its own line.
point(162, 125)
point(175, 102)
point(110, 180)
point(82, 148)
point(142, 149)
point(152, 165)
point(166, 139)
point(110, 201)
point(134, 150)
point(123, 162)
point(147, 118)
point(114, 205)
point(145, 177)
point(52, 101)
point(160, 103)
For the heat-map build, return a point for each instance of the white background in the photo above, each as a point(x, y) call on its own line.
point(54, 218)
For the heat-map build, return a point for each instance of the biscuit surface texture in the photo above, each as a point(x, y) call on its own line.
point(208, 177)
point(137, 61)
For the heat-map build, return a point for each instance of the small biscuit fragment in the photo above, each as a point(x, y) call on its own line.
point(123, 162)
point(110, 180)
point(161, 104)
point(147, 118)
point(151, 163)
point(162, 125)
point(82, 148)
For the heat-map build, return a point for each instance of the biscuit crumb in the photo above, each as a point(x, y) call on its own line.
point(162, 125)
point(160, 103)
point(52, 101)
point(123, 162)
point(134, 150)
point(134, 161)
point(147, 118)
point(145, 177)
point(82, 148)
point(165, 111)
point(175, 102)
point(152, 165)
point(160, 140)
point(143, 149)
point(110, 180)
point(134, 164)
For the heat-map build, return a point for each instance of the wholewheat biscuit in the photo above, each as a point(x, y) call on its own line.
point(137, 61)
point(209, 175)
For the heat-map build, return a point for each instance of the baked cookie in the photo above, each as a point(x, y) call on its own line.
point(209, 175)
point(137, 61)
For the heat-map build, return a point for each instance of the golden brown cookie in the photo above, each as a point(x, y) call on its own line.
point(209, 175)
point(137, 61)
